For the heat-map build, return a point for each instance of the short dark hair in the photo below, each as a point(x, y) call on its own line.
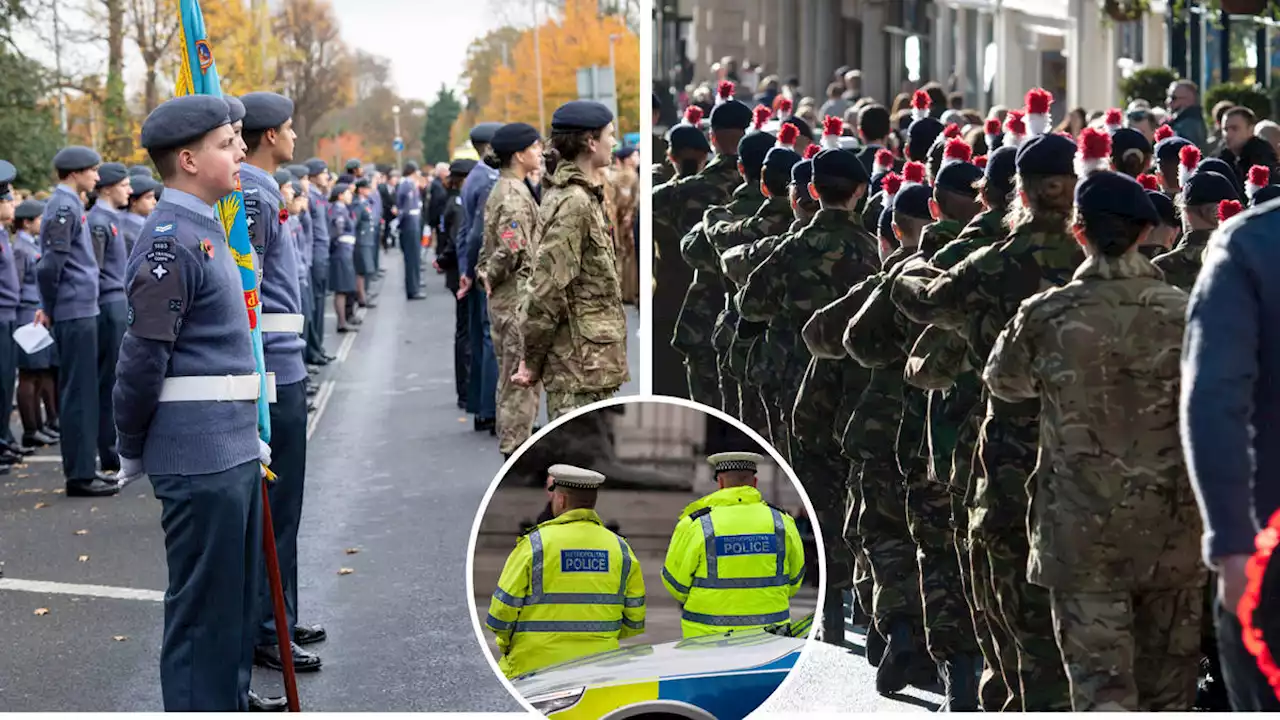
point(1221, 107)
point(955, 101)
point(835, 190)
point(166, 161)
point(1241, 111)
point(835, 89)
point(873, 123)
point(776, 180)
point(956, 206)
point(253, 138)
point(1111, 234)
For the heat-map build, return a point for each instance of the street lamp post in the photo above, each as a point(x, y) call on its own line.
point(395, 113)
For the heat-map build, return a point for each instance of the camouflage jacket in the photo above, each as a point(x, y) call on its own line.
point(1112, 506)
point(512, 228)
point(767, 357)
point(1182, 264)
point(663, 170)
point(1151, 252)
point(574, 325)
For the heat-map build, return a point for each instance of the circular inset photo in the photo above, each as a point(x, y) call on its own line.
point(645, 558)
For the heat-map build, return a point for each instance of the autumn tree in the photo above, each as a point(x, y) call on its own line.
point(335, 150)
point(119, 143)
point(314, 67)
point(154, 28)
point(437, 130)
point(484, 56)
point(243, 46)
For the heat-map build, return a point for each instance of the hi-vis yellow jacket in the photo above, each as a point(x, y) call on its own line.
point(734, 563)
point(570, 588)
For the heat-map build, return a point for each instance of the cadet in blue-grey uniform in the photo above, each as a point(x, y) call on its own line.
point(112, 194)
point(68, 276)
point(311, 355)
point(37, 372)
point(10, 291)
point(268, 135)
point(409, 210)
point(318, 209)
point(482, 395)
point(142, 199)
point(376, 178)
point(185, 402)
point(366, 250)
point(342, 271)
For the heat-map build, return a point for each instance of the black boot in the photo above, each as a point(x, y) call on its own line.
point(875, 645)
point(893, 673)
point(833, 618)
point(960, 683)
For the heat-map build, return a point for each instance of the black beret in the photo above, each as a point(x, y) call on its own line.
point(731, 115)
point(1001, 168)
point(1221, 167)
point(8, 173)
point(1167, 149)
point(316, 166)
point(141, 171)
point(1114, 193)
point(802, 175)
point(657, 102)
point(338, 189)
point(1050, 154)
point(877, 180)
point(514, 137)
point(347, 178)
point(462, 166)
point(921, 135)
point(140, 185)
point(235, 108)
point(265, 110)
point(581, 115)
point(352, 165)
point(1164, 207)
point(959, 177)
point(79, 157)
point(383, 168)
point(840, 164)
point(111, 173)
point(410, 168)
point(801, 125)
point(913, 202)
point(176, 122)
point(884, 224)
point(362, 182)
point(1205, 187)
point(299, 171)
point(28, 209)
point(687, 137)
point(1126, 139)
point(781, 160)
point(282, 176)
point(752, 149)
point(1264, 194)
point(484, 132)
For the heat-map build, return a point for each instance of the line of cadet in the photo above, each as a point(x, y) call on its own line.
point(573, 588)
point(972, 366)
point(531, 231)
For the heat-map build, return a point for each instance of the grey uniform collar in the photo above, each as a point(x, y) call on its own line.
point(262, 180)
point(190, 202)
point(69, 191)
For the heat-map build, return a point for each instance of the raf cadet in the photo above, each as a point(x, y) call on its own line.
point(482, 386)
point(37, 372)
point(734, 561)
point(302, 238)
point(10, 297)
point(409, 210)
point(574, 325)
point(142, 198)
point(366, 250)
point(318, 209)
point(68, 276)
point(269, 136)
point(112, 192)
point(570, 588)
point(342, 271)
point(185, 402)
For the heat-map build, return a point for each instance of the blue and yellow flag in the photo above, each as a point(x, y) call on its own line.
point(199, 76)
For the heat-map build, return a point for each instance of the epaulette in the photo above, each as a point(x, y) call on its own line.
point(775, 507)
point(700, 512)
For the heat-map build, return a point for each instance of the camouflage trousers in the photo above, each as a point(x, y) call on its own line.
point(822, 471)
point(948, 625)
point(1130, 651)
point(728, 393)
point(891, 553)
point(754, 415)
point(563, 403)
point(863, 584)
point(779, 431)
point(999, 688)
point(704, 377)
point(517, 406)
point(1027, 616)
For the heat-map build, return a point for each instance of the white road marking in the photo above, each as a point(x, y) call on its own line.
point(345, 348)
point(41, 459)
point(103, 591)
point(322, 401)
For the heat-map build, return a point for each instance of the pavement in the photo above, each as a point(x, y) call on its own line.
point(395, 477)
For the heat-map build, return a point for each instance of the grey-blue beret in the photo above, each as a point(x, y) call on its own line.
point(111, 173)
point(316, 166)
point(235, 108)
point(282, 176)
point(581, 115)
point(299, 171)
point(353, 164)
point(140, 185)
point(179, 121)
point(337, 190)
point(462, 166)
point(141, 171)
point(29, 209)
point(265, 110)
point(76, 157)
point(8, 173)
point(484, 132)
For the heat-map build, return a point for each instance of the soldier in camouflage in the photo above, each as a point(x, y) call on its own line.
point(662, 171)
point(706, 296)
point(573, 322)
point(511, 235)
point(977, 297)
point(1198, 202)
point(1114, 523)
point(674, 210)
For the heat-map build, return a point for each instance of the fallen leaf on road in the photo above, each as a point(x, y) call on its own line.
point(93, 510)
point(59, 491)
point(345, 571)
point(462, 420)
point(83, 558)
point(22, 475)
point(352, 551)
point(42, 611)
point(40, 505)
point(82, 532)
point(119, 638)
point(29, 491)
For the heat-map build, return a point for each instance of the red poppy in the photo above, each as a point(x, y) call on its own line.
point(284, 215)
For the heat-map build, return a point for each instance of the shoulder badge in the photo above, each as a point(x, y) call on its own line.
point(699, 513)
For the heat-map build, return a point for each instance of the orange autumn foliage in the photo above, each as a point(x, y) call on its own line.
point(337, 150)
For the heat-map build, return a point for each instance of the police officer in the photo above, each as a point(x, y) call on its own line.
point(185, 403)
point(269, 136)
point(409, 210)
point(318, 209)
point(734, 561)
point(10, 293)
point(112, 191)
point(68, 276)
point(37, 372)
point(570, 588)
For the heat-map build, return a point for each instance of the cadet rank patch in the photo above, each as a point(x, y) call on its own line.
point(596, 561)
point(731, 545)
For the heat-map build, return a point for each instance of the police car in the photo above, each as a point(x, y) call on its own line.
point(715, 677)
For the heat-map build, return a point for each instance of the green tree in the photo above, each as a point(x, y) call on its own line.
point(119, 143)
point(29, 134)
point(436, 143)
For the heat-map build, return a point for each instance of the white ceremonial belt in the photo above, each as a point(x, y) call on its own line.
point(216, 388)
point(347, 239)
point(416, 211)
point(281, 323)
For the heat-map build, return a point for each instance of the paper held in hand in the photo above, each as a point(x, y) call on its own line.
point(32, 338)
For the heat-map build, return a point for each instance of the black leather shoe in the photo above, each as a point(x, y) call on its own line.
point(309, 634)
point(348, 329)
point(371, 305)
point(303, 661)
point(260, 703)
point(482, 424)
point(330, 358)
point(21, 450)
point(51, 432)
point(94, 487)
point(312, 390)
point(418, 296)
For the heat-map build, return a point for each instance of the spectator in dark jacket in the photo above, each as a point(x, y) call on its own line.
point(435, 195)
point(1186, 116)
point(1231, 423)
point(1242, 149)
point(387, 191)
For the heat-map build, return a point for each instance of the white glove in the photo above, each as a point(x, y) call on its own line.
point(264, 453)
point(130, 470)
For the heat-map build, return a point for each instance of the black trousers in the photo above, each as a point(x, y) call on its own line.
point(462, 347)
point(1246, 686)
point(77, 342)
point(111, 325)
point(289, 463)
point(8, 376)
point(319, 293)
